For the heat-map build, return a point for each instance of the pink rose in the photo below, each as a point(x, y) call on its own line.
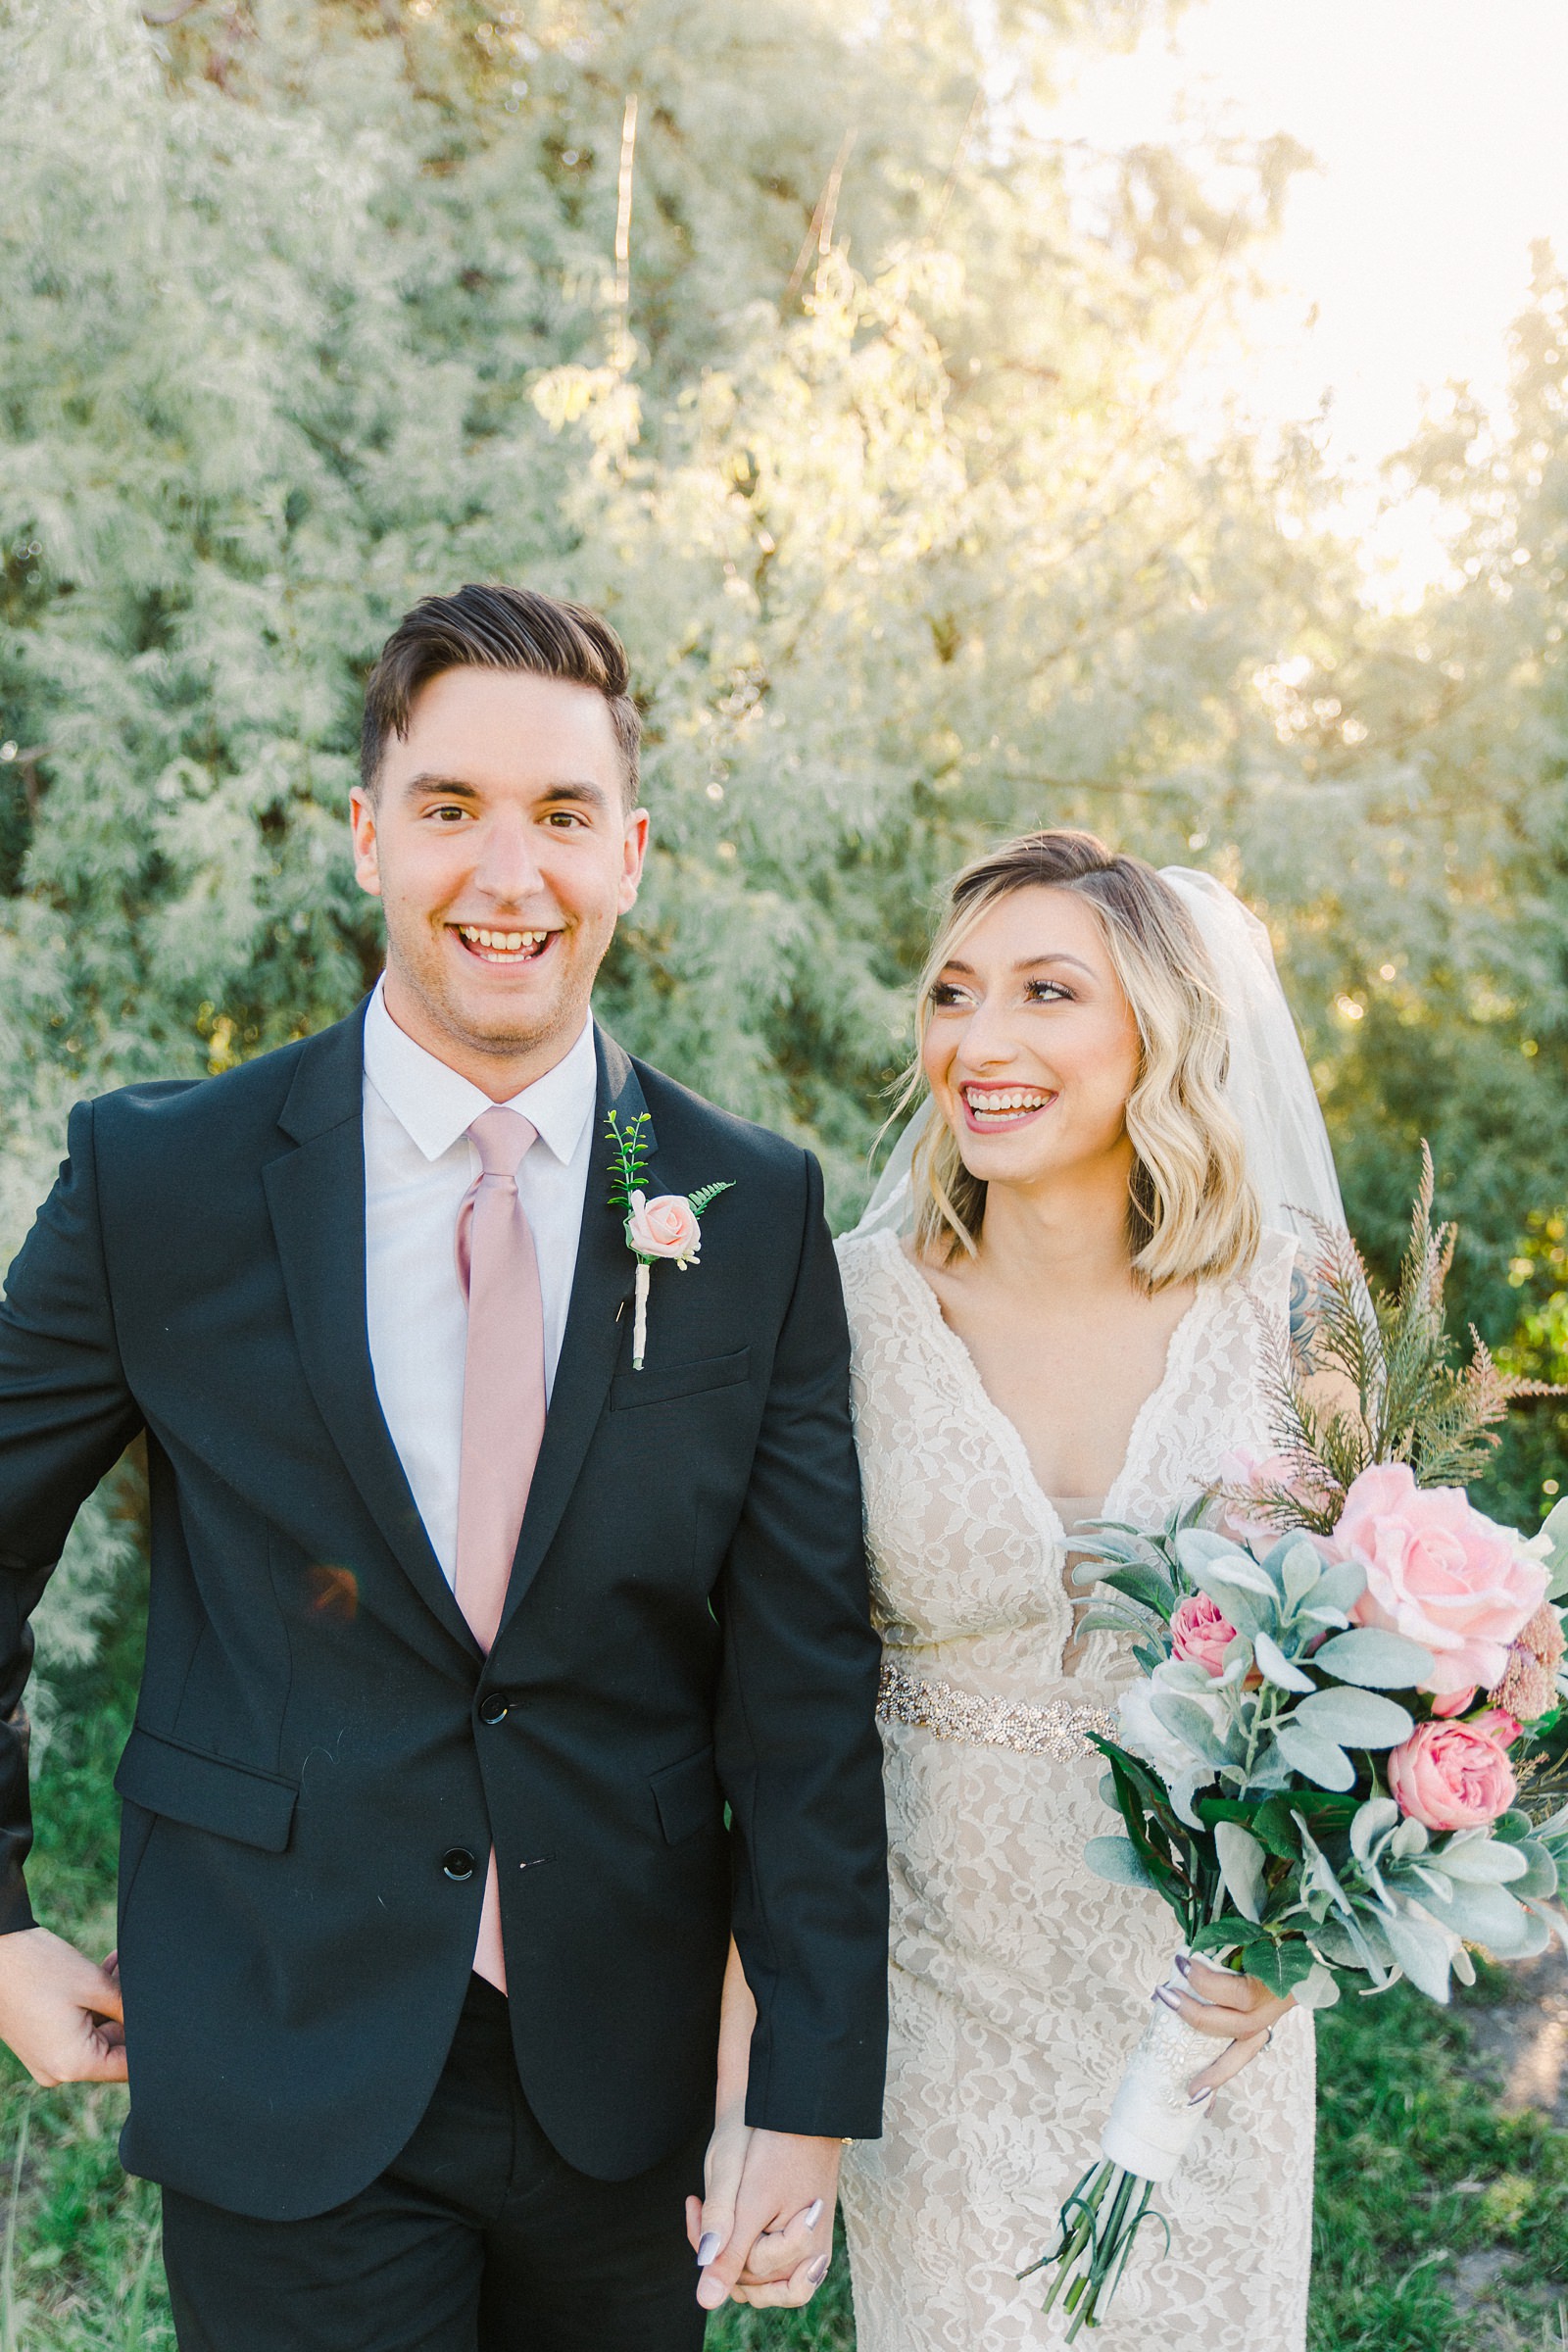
point(1495, 1722)
point(1455, 1702)
point(665, 1227)
point(1438, 1571)
point(1200, 1632)
point(1451, 1777)
point(1246, 1471)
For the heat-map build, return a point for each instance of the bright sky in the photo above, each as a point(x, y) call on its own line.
point(1439, 128)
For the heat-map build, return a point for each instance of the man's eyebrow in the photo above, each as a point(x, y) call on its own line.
point(580, 788)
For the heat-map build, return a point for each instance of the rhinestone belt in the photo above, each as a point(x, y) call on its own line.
point(1058, 1729)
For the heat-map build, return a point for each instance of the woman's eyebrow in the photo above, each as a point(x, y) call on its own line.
point(955, 964)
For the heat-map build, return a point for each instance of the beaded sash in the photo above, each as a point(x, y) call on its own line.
point(1058, 1729)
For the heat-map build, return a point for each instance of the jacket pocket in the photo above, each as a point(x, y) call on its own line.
point(667, 1381)
point(207, 1793)
point(686, 1796)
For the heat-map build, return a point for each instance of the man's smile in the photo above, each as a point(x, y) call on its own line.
point(489, 944)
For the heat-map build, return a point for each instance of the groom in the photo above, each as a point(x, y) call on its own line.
point(492, 1681)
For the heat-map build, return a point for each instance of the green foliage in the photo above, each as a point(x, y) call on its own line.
point(1394, 1350)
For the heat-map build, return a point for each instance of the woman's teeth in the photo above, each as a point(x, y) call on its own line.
point(501, 946)
point(1002, 1107)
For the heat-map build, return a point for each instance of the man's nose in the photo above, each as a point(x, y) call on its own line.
point(508, 868)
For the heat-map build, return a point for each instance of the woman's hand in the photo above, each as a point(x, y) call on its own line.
point(710, 2220)
point(1235, 2009)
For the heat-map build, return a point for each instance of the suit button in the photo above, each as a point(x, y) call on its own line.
point(493, 1708)
point(458, 1863)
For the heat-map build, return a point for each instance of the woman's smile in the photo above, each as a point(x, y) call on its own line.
point(990, 1108)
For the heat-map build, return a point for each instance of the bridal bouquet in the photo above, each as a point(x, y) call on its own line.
point(1326, 1767)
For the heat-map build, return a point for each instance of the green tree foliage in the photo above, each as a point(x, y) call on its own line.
point(872, 439)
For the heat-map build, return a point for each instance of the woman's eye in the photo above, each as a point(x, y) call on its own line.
point(944, 995)
point(1048, 992)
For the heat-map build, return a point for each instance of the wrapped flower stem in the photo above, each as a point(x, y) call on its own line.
point(1153, 2122)
point(1099, 2221)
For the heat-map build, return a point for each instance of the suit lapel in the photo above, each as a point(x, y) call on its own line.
point(316, 1198)
point(601, 1300)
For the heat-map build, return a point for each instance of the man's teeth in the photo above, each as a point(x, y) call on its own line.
point(1009, 1104)
point(496, 943)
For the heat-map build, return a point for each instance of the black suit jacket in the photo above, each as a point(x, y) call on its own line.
point(322, 1758)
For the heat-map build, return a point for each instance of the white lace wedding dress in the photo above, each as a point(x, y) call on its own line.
point(1019, 1982)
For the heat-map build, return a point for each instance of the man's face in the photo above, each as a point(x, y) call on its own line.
point(501, 847)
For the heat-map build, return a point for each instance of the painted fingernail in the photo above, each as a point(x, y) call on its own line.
point(812, 2214)
point(1184, 1964)
point(711, 2244)
point(817, 2272)
point(1163, 1992)
point(1198, 2098)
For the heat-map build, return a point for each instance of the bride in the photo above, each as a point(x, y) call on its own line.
point(1065, 1304)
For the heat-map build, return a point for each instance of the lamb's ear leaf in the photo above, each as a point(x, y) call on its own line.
point(1554, 1527)
point(1117, 1860)
point(1374, 1659)
point(1277, 1667)
point(1322, 1761)
point(1352, 1718)
point(1240, 1860)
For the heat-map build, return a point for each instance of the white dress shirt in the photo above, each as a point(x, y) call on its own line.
point(418, 1162)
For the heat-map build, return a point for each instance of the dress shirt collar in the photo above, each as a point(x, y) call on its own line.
point(436, 1105)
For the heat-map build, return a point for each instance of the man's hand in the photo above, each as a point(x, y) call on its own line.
point(780, 2242)
point(60, 2015)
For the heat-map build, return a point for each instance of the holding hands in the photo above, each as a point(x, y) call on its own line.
point(764, 2230)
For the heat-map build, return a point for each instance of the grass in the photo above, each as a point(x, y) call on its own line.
point(1442, 2220)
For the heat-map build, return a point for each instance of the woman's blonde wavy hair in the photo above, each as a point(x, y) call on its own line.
point(1191, 1211)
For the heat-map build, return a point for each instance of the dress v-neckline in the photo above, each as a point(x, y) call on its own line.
point(1005, 1431)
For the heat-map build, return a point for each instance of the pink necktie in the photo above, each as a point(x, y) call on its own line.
point(503, 1410)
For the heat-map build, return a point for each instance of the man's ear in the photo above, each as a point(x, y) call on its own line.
point(366, 847)
point(636, 850)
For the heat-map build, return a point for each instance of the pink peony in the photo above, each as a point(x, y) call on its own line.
point(1528, 1685)
point(1199, 1631)
point(665, 1227)
point(1495, 1722)
point(1451, 1777)
point(1438, 1571)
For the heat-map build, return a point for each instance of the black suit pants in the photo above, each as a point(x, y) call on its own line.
point(479, 2238)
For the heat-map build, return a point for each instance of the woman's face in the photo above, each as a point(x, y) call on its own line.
point(1031, 1050)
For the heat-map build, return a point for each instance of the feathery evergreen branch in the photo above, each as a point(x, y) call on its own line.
point(1413, 1403)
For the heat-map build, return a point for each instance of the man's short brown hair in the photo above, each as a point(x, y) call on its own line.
point(497, 628)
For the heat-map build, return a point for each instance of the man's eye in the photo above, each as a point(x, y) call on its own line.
point(561, 818)
point(447, 813)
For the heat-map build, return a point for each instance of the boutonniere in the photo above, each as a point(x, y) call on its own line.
point(667, 1226)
